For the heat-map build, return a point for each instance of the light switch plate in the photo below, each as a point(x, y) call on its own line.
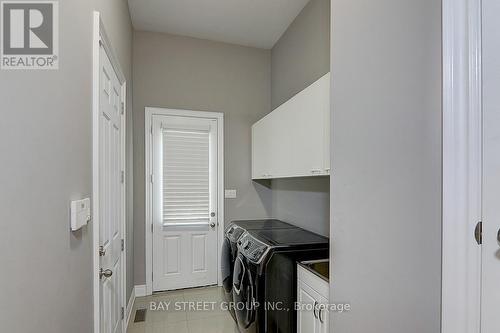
point(80, 213)
point(230, 194)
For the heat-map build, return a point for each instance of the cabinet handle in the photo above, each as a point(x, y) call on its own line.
point(319, 315)
point(314, 310)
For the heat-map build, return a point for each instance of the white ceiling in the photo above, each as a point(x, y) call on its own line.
point(258, 23)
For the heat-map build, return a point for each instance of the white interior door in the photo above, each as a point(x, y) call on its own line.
point(490, 298)
point(110, 197)
point(185, 219)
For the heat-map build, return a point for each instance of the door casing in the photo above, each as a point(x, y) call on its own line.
point(149, 112)
point(101, 38)
point(462, 166)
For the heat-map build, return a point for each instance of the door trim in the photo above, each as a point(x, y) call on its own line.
point(462, 159)
point(101, 38)
point(219, 116)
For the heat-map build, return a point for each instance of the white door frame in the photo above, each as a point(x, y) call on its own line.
point(101, 38)
point(149, 113)
point(462, 159)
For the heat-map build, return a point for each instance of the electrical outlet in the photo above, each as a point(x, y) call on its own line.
point(230, 194)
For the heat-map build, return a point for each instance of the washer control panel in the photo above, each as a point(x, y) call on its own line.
point(253, 249)
point(233, 233)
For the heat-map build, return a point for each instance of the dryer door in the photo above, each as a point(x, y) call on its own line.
point(243, 293)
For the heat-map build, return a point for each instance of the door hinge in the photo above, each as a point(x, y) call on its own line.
point(102, 252)
point(151, 130)
point(151, 227)
point(123, 107)
point(123, 245)
point(151, 178)
point(478, 233)
point(123, 177)
point(123, 313)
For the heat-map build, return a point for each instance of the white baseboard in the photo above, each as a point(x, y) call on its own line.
point(130, 306)
point(140, 290)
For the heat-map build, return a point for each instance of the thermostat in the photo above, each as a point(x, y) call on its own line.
point(80, 213)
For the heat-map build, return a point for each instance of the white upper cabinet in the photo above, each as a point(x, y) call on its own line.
point(294, 139)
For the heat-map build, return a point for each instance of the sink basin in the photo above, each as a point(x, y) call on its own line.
point(319, 267)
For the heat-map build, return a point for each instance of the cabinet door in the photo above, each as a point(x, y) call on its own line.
point(309, 115)
point(294, 139)
point(261, 153)
point(326, 128)
point(279, 144)
point(307, 315)
point(306, 118)
point(323, 315)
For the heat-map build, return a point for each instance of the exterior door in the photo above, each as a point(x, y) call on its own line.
point(110, 197)
point(490, 298)
point(185, 219)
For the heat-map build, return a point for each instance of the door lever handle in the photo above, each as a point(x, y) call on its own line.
point(212, 225)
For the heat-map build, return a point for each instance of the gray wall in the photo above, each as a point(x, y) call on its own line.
point(300, 57)
point(302, 54)
point(386, 183)
point(180, 72)
point(45, 140)
point(304, 202)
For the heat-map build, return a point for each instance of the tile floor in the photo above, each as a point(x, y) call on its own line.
point(179, 318)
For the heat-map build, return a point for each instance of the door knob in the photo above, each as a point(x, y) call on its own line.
point(212, 214)
point(212, 225)
point(107, 273)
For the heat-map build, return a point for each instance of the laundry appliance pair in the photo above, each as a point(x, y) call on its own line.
point(259, 260)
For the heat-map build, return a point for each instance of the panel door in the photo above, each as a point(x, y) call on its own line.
point(110, 200)
point(185, 221)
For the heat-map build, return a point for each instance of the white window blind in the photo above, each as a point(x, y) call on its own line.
point(186, 176)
